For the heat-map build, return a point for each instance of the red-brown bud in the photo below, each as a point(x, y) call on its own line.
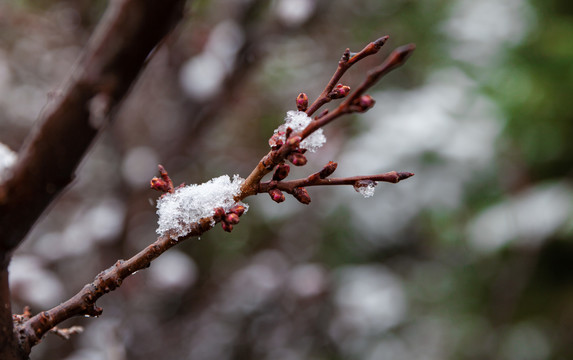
point(294, 141)
point(301, 195)
point(160, 185)
point(232, 218)
point(238, 209)
point(164, 184)
point(302, 102)
point(281, 172)
point(297, 159)
point(313, 178)
point(219, 214)
point(339, 91)
point(226, 226)
point(364, 103)
point(328, 169)
point(277, 195)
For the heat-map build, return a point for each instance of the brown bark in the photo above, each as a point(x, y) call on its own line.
point(9, 349)
point(126, 36)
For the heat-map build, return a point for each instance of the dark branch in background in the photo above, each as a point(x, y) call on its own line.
point(117, 52)
point(125, 38)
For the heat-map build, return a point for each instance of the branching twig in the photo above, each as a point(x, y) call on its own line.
point(348, 59)
point(355, 103)
point(84, 302)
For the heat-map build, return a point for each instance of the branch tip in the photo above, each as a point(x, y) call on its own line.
point(404, 175)
point(402, 53)
point(381, 41)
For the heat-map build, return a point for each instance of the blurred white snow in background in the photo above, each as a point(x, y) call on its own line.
point(525, 219)
point(7, 160)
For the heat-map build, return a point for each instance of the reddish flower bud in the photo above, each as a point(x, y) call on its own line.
point(313, 178)
point(238, 209)
point(301, 195)
point(328, 169)
point(277, 195)
point(297, 159)
point(219, 214)
point(160, 185)
point(302, 102)
point(164, 184)
point(363, 103)
point(294, 141)
point(281, 172)
point(276, 140)
point(226, 226)
point(232, 218)
point(339, 91)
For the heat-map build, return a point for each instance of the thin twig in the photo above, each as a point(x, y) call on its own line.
point(346, 61)
point(390, 177)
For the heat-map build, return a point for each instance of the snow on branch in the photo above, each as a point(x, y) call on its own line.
point(298, 121)
point(189, 204)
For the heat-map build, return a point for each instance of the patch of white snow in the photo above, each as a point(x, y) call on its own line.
point(298, 121)
point(187, 205)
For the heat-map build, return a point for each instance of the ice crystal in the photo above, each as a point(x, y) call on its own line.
point(187, 205)
point(7, 160)
point(297, 121)
point(365, 187)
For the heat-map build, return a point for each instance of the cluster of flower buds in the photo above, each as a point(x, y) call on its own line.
point(302, 102)
point(229, 218)
point(339, 92)
point(163, 184)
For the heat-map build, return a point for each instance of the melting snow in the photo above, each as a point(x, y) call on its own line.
point(297, 121)
point(365, 187)
point(187, 205)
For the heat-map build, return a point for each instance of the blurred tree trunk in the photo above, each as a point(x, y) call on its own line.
point(118, 50)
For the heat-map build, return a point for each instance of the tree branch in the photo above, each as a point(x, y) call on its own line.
point(83, 303)
point(116, 53)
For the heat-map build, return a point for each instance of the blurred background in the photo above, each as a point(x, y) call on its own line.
point(472, 258)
